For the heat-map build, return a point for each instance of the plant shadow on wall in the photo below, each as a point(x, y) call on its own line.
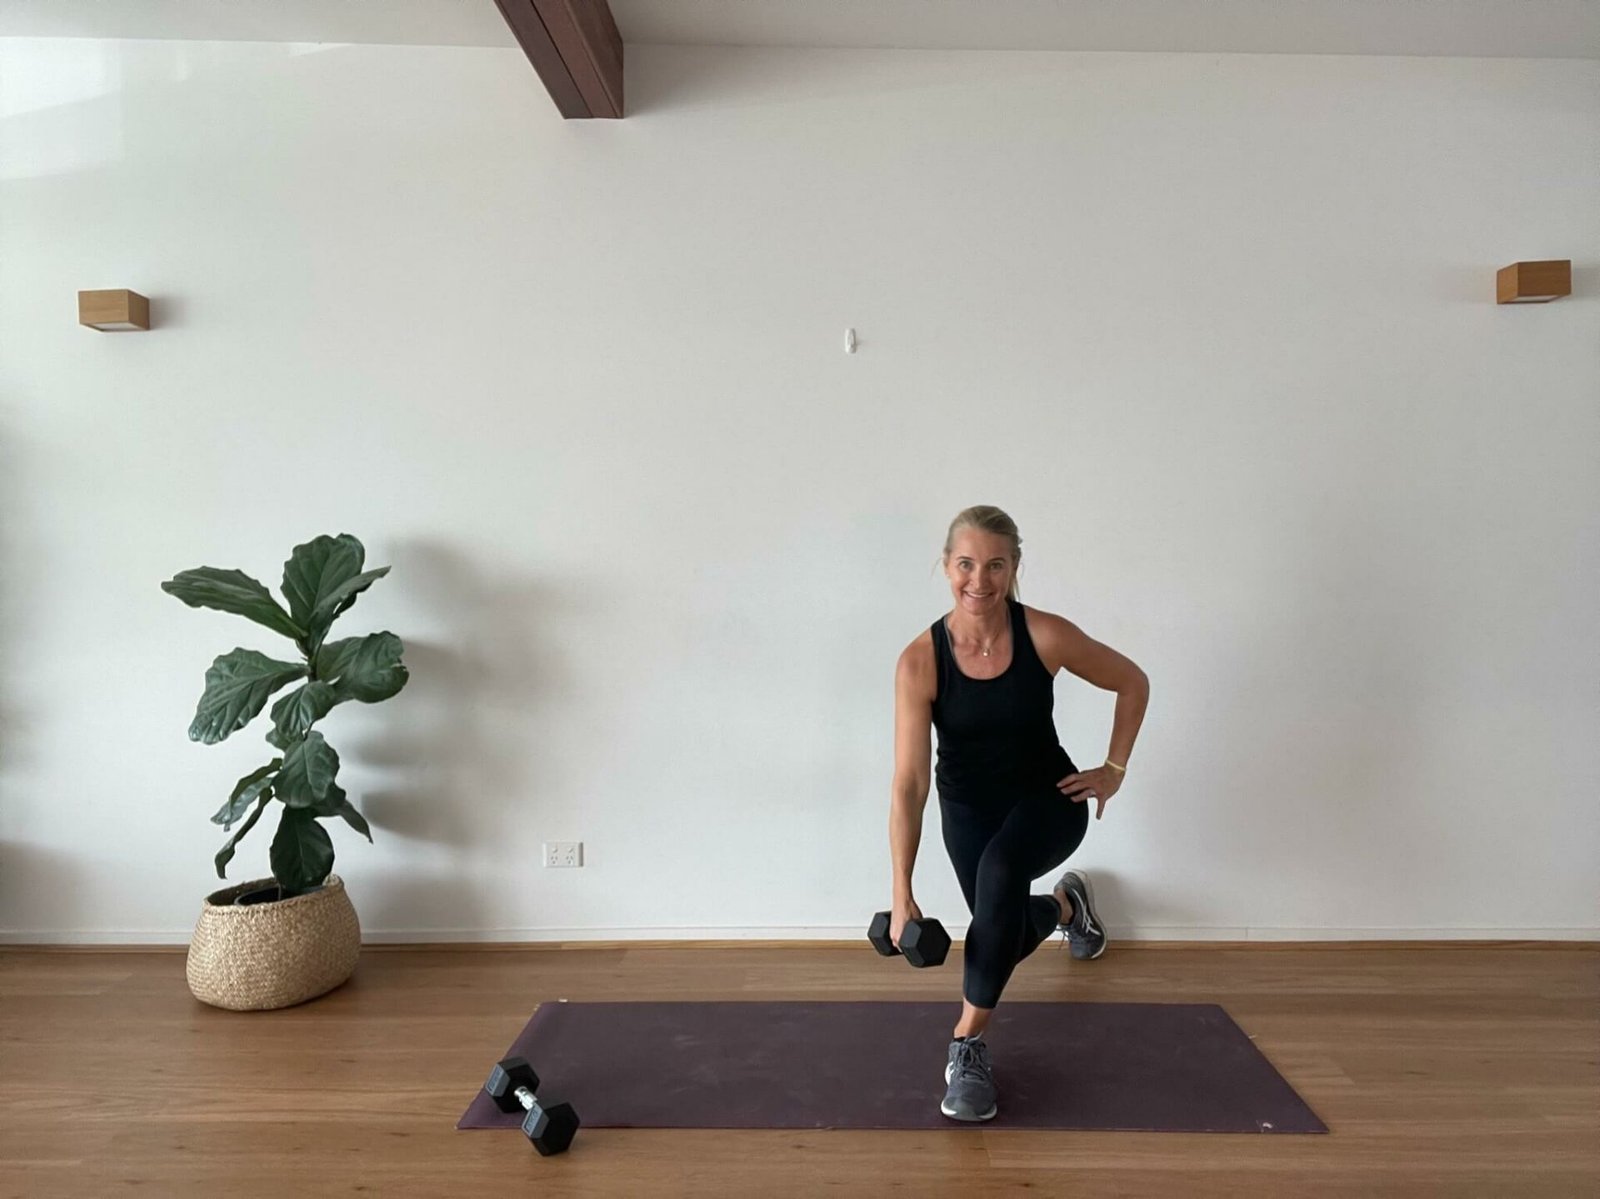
point(475, 743)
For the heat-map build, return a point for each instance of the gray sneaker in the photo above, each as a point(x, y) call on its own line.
point(972, 1092)
point(1086, 936)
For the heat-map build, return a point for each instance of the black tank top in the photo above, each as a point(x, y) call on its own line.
point(999, 732)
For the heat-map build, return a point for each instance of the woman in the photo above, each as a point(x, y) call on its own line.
point(1012, 804)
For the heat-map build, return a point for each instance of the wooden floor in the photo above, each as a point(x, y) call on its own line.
point(1440, 1070)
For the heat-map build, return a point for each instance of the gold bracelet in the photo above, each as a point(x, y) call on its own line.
point(1114, 766)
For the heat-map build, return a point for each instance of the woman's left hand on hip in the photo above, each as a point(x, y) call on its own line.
point(1101, 784)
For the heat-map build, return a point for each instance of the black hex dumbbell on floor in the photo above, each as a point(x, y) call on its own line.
point(511, 1085)
point(924, 942)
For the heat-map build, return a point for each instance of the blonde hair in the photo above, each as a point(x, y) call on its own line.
point(989, 519)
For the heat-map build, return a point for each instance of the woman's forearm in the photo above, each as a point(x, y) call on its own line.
point(1131, 703)
point(905, 833)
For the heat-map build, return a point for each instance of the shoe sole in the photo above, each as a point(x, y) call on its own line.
point(989, 1115)
point(1088, 890)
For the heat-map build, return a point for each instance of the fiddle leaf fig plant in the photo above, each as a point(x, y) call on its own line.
point(321, 579)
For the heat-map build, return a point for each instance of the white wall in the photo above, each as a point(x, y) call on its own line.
point(1218, 330)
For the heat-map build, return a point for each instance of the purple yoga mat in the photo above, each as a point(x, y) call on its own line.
point(1158, 1067)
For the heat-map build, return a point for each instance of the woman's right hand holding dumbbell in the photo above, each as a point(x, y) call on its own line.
point(901, 930)
point(904, 910)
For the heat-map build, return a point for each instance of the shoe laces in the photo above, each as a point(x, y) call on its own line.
point(1072, 934)
point(972, 1061)
point(1078, 926)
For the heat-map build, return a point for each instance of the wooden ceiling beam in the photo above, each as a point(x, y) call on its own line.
point(576, 50)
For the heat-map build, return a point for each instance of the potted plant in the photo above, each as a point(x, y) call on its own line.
point(282, 940)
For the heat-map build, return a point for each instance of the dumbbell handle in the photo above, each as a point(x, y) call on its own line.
point(525, 1097)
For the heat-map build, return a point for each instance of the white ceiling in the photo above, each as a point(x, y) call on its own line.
point(1473, 28)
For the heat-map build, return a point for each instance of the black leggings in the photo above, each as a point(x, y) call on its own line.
point(998, 848)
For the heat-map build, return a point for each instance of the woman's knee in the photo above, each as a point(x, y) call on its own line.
point(985, 1000)
point(1000, 882)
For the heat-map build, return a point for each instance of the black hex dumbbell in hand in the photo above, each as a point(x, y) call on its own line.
point(511, 1085)
point(924, 942)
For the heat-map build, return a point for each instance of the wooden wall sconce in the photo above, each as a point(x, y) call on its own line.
point(113, 311)
point(1533, 282)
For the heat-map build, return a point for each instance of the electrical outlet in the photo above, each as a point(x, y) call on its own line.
point(563, 853)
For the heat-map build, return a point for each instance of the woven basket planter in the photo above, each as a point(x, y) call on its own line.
point(270, 955)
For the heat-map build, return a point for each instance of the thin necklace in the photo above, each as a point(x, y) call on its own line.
point(982, 650)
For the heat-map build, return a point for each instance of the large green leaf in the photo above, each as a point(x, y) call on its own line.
point(238, 686)
point(356, 820)
point(322, 579)
point(340, 599)
point(308, 771)
point(337, 804)
point(236, 592)
point(245, 793)
point(295, 713)
point(225, 854)
point(317, 568)
point(342, 596)
point(363, 668)
point(302, 852)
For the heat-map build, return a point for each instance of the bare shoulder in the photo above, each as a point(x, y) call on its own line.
point(1062, 645)
point(1050, 635)
point(916, 669)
